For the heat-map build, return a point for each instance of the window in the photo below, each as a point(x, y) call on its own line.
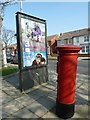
point(77, 39)
point(69, 41)
point(62, 41)
point(83, 48)
point(86, 38)
point(87, 49)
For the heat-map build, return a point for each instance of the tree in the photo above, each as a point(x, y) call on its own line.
point(4, 3)
point(8, 36)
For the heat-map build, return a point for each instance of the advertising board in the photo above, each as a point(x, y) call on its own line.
point(33, 42)
point(32, 50)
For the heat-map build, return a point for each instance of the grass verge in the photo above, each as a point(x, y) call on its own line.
point(8, 70)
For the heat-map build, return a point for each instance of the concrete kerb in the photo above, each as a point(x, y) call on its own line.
point(79, 58)
point(83, 58)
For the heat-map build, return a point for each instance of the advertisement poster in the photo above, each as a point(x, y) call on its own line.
point(33, 42)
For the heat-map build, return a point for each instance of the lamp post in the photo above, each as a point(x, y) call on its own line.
point(20, 5)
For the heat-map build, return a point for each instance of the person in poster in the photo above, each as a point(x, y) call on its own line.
point(33, 42)
point(39, 60)
point(36, 31)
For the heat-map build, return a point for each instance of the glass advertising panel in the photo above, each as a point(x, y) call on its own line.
point(33, 43)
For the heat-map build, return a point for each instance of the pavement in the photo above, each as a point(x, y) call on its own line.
point(40, 102)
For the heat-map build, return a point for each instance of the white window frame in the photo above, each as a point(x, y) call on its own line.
point(77, 39)
point(85, 49)
point(86, 38)
point(70, 41)
point(62, 42)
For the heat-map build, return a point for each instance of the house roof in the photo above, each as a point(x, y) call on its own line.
point(75, 33)
point(12, 45)
point(51, 37)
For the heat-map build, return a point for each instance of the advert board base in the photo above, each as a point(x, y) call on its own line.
point(32, 77)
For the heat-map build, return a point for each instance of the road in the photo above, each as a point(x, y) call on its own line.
point(82, 66)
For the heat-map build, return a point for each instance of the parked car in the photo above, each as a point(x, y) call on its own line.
point(8, 55)
point(8, 58)
point(15, 59)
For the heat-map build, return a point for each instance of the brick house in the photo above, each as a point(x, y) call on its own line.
point(51, 44)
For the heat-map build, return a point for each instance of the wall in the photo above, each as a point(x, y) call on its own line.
point(81, 43)
point(81, 40)
point(58, 42)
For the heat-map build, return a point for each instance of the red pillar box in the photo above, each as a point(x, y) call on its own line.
point(67, 67)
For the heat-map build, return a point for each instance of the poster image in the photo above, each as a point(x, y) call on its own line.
point(34, 58)
point(33, 42)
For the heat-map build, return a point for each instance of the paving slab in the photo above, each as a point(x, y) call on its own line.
point(10, 87)
point(47, 102)
point(24, 113)
point(13, 94)
point(6, 84)
point(37, 108)
point(5, 114)
point(25, 100)
point(53, 95)
point(83, 89)
point(14, 81)
point(34, 96)
point(82, 77)
point(45, 90)
point(50, 86)
point(81, 111)
point(51, 115)
point(11, 107)
point(39, 92)
point(6, 98)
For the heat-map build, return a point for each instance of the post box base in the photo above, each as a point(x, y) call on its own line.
point(64, 111)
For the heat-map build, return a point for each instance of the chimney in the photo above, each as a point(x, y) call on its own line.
point(61, 34)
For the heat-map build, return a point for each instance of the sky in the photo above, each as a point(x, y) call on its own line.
point(60, 16)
